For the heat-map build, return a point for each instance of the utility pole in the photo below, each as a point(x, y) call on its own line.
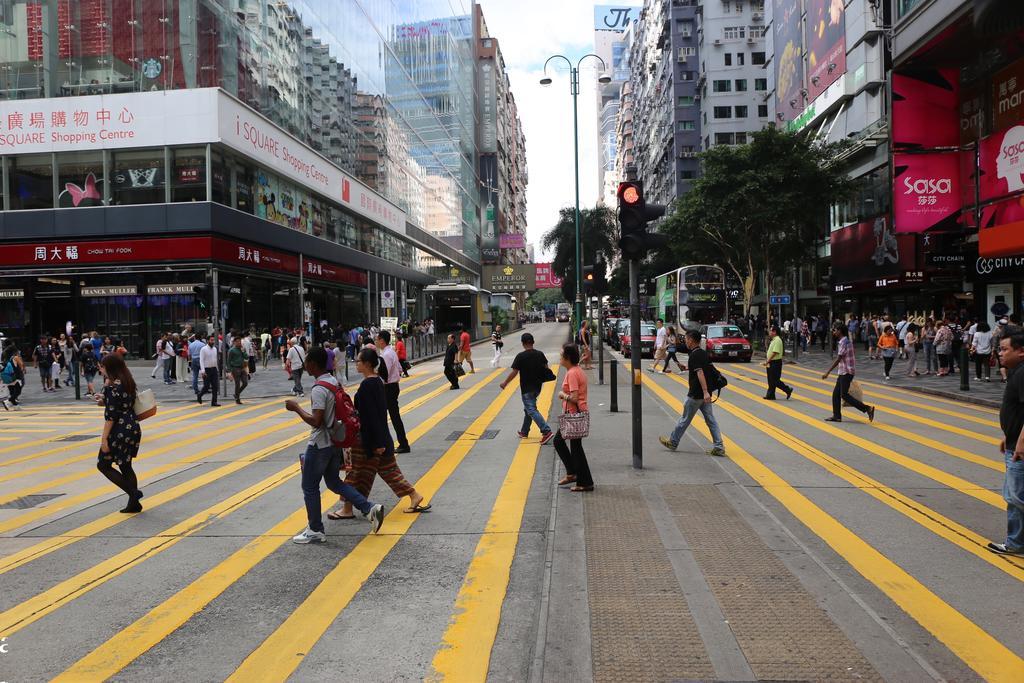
point(635, 352)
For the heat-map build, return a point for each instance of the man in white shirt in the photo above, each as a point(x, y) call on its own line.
point(901, 334)
point(660, 346)
point(296, 359)
point(250, 352)
point(166, 357)
point(159, 354)
point(209, 370)
point(391, 374)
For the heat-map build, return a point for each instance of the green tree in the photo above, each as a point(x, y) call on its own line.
point(545, 296)
point(759, 208)
point(598, 230)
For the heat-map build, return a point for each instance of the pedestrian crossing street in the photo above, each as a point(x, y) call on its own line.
point(206, 585)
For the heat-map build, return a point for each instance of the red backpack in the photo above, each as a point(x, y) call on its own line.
point(345, 429)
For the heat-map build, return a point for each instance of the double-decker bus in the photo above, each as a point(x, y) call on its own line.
point(692, 296)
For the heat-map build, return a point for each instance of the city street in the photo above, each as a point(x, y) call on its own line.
point(813, 551)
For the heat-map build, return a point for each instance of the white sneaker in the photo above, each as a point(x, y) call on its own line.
point(310, 536)
point(375, 517)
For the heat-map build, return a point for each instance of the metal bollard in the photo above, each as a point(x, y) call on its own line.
point(615, 385)
point(965, 382)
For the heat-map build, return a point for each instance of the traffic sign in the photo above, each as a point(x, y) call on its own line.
point(780, 300)
point(387, 298)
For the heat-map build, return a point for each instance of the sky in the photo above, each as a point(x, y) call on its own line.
point(528, 32)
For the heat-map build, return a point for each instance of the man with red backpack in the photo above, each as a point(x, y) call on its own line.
point(334, 424)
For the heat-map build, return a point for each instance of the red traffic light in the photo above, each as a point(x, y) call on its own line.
point(629, 193)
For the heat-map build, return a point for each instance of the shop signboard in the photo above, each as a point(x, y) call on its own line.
point(1002, 163)
point(488, 108)
point(1008, 95)
point(614, 17)
point(546, 277)
point(926, 192)
point(238, 253)
point(513, 241)
point(12, 293)
point(320, 270)
point(789, 63)
point(123, 290)
point(825, 41)
point(72, 253)
point(924, 109)
point(517, 278)
point(165, 290)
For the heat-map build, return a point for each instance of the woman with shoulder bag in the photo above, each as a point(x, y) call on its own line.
point(889, 346)
point(122, 435)
point(943, 348)
point(673, 348)
point(981, 351)
point(574, 423)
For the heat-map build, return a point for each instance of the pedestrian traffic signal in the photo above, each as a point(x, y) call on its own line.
point(200, 292)
point(588, 279)
point(634, 215)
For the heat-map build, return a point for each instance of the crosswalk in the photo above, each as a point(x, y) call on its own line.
point(205, 584)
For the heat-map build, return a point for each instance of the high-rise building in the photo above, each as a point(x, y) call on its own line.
point(149, 148)
point(610, 44)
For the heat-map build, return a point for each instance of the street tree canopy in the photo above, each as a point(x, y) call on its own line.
point(598, 234)
point(758, 208)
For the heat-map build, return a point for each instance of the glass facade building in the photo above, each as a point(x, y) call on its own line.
point(384, 89)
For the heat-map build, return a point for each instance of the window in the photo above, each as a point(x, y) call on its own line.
point(221, 175)
point(687, 174)
point(734, 32)
point(687, 125)
point(741, 138)
point(728, 59)
point(687, 75)
point(904, 6)
point(762, 111)
point(741, 85)
point(138, 177)
point(757, 58)
point(31, 181)
point(721, 86)
point(739, 58)
point(686, 150)
point(685, 27)
point(756, 31)
point(687, 51)
point(79, 179)
point(757, 5)
point(741, 111)
point(726, 6)
point(189, 176)
point(761, 84)
point(724, 138)
point(723, 112)
point(686, 101)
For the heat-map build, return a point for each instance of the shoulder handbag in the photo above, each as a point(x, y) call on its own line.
point(145, 404)
point(574, 425)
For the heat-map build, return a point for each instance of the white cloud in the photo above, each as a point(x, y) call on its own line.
point(529, 31)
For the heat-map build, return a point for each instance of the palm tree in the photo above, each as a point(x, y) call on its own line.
point(597, 234)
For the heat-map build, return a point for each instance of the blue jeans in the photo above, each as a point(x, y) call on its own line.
point(690, 409)
point(167, 369)
point(1013, 494)
point(195, 375)
point(325, 463)
point(531, 414)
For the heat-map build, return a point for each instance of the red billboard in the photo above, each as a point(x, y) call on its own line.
point(925, 109)
point(1002, 163)
point(320, 270)
point(238, 253)
point(871, 255)
point(926, 191)
point(93, 252)
point(546, 278)
point(825, 41)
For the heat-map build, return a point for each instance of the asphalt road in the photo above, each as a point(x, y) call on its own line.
point(849, 551)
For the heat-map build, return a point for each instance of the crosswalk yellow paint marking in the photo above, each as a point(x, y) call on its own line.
point(282, 652)
point(932, 520)
point(987, 656)
point(951, 480)
point(919, 439)
point(465, 650)
point(129, 644)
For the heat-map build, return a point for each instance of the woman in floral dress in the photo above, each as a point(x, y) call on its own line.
point(121, 432)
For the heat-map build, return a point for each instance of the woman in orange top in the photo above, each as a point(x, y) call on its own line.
point(574, 395)
point(889, 345)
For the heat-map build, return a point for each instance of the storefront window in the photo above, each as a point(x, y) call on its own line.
point(244, 199)
point(31, 181)
point(189, 180)
point(79, 179)
point(221, 176)
point(138, 177)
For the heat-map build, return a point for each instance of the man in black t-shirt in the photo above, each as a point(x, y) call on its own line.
point(43, 358)
point(697, 399)
point(531, 366)
point(1011, 420)
point(449, 362)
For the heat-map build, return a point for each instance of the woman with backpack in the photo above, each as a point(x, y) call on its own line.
point(12, 373)
point(121, 438)
point(375, 453)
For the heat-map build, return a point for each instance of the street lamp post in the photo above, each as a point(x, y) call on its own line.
point(574, 90)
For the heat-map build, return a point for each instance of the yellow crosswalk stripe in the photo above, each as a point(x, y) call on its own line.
point(65, 502)
point(951, 480)
point(132, 642)
point(935, 424)
point(938, 446)
point(931, 519)
point(930, 402)
point(977, 648)
point(465, 650)
point(282, 652)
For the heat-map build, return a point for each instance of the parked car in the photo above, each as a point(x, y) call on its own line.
point(621, 327)
point(647, 336)
point(725, 342)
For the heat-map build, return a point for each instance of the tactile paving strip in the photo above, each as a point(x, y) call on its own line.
point(783, 633)
point(641, 627)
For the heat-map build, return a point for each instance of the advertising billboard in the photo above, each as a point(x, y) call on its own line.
point(870, 255)
point(488, 109)
point(825, 41)
point(926, 191)
point(546, 277)
point(614, 17)
point(1008, 95)
point(925, 109)
point(490, 240)
point(789, 65)
point(517, 278)
point(513, 241)
point(1002, 163)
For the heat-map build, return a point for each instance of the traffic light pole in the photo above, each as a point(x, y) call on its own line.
point(635, 353)
point(574, 83)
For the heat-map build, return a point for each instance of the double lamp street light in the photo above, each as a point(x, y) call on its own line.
point(574, 89)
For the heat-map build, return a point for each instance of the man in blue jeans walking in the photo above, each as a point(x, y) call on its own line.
point(531, 366)
point(697, 399)
point(195, 345)
point(322, 460)
point(1011, 420)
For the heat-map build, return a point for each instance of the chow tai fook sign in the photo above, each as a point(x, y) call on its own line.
point(183, 117)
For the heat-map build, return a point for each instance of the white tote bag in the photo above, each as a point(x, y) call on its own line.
point(145, 404)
